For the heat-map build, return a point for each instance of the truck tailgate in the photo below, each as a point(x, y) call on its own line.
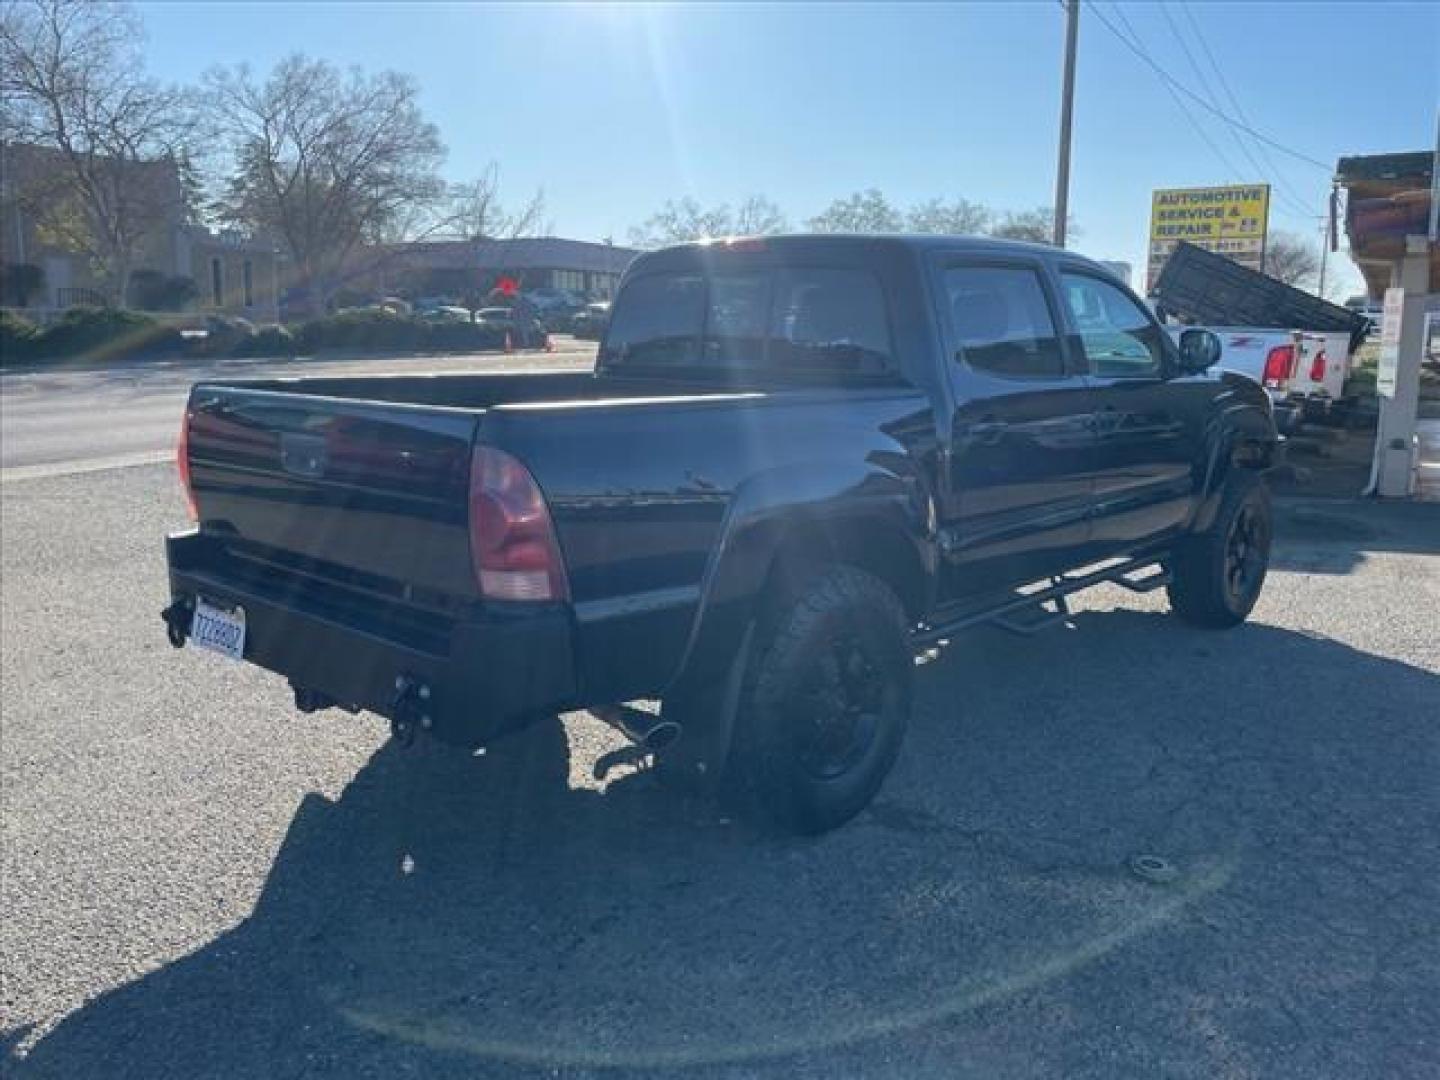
point(374, 488)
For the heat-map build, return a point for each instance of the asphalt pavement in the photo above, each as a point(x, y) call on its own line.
point(199, 881)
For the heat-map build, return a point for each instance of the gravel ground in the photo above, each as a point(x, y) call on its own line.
point(199, 881)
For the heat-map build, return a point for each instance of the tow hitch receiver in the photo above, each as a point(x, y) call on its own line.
point(177, 621)
point(409, 709)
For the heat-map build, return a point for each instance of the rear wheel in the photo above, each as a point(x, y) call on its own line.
point(1218, 574)
point(826, 699)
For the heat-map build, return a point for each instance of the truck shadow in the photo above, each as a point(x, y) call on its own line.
point(451, 915)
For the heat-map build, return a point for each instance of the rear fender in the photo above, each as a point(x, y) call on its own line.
point(878, 519)
point(1240, 437)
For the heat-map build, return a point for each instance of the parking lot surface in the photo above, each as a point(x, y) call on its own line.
point(199, 881)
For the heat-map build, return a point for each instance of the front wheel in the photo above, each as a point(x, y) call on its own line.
point(1217, 575)
point(826, 699)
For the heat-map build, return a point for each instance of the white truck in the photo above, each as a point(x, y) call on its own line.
point(1296, 345)
point(1303, 371)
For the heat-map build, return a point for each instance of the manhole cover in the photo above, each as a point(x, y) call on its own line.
point(1154, 869)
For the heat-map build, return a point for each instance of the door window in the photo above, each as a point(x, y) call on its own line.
point(1002, 322)
point(1120, 340)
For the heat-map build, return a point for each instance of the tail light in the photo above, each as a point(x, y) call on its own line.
point(1279, 365)
point(182, 467)
point(512, 539)
point(1317, 367)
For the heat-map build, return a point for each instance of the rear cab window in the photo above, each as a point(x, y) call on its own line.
point(779, 321)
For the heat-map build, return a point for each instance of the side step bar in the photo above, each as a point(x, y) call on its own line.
point(1003, 615)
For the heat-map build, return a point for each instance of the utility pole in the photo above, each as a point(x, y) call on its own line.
point(1067, 109)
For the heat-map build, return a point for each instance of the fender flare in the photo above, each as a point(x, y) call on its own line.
point(768, 512)
point(1240, 436)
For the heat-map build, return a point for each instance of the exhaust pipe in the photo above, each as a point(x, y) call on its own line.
point(647, 733)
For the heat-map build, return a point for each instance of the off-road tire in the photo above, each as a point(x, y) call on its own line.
point(1217, 575)
point(830, 670)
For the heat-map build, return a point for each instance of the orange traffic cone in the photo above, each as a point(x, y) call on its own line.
point(509, 345)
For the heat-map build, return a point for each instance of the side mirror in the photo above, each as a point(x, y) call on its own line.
point(1199, 350)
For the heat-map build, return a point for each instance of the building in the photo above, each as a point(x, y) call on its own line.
point(226, 272)
point(460, 268)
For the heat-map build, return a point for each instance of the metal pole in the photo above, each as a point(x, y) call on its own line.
point(1324, 251)
point(1435, 185)
point(1067, 109)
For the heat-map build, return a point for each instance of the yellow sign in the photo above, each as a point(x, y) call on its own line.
point(1230, 221)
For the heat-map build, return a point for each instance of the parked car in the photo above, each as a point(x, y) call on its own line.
point(591, 322)
point(446, 313)
point(799, 464)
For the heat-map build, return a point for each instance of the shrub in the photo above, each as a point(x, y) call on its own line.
point(20, 281)
point(367, 328)
point(106, 334)
point(17, 338)
point(268, 341)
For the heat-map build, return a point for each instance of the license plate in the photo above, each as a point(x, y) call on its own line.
point(219, 630)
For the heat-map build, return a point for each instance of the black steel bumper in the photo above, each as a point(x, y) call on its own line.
point(483, 672)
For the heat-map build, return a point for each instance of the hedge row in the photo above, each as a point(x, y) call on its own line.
point(106, 334)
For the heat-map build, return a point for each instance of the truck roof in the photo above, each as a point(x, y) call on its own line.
point(847, 244)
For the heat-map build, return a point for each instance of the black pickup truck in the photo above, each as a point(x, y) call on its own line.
point(799, 465)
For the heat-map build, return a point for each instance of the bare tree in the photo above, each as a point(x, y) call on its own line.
point(1037, 226)
point(324, 161)
point(476, 212)
point(958, 218)
point(863, 212)
point(98, 152)
point(682, 220)
point(1290, 259)
point(758, 216)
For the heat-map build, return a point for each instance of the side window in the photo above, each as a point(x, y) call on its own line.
point(657, 322)
point(1002, 322)
point(829, 320)
point(1119, 339)
point(735, 320)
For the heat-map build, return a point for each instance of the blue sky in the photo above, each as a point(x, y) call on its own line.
point(612, 109)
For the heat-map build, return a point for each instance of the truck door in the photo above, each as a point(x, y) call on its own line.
point(1018, 462)
point(1147, 423)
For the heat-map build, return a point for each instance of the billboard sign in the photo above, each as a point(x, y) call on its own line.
point(1229, 221)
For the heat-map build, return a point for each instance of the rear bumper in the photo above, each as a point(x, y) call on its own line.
point(487, 672)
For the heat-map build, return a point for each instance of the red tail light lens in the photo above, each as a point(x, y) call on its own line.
point(182, 467)
point(512, 539)
point(1317, 367)
point(1279, 363)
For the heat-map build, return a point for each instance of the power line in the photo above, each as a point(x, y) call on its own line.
point(1260, 170)
point(1294, 198)
point(1234, 173)
point(1180, 87)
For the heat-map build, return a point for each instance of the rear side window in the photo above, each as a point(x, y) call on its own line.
point(658, 322)
point(1002, 322)
point(829, 320)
